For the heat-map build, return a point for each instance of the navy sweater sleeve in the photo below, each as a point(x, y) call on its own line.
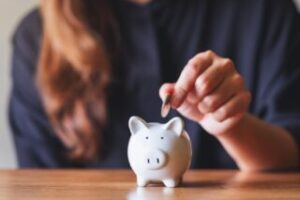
point(278, 76)
point(35, 141)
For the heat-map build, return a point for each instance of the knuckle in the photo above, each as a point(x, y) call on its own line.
point(199, 107)
point(209, 54)
point(201, 58)
point(193, 67)
point(206, 86)
point(223, 113)
point(203, 85)
point(228, 64)
point(238, 79)
point(197, 60)
point(192, 98)
point(210, 102)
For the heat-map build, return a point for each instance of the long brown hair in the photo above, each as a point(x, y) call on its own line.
point(74, 71)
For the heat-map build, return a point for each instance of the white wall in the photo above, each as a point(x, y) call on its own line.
point(298, 4)
point(11, 12)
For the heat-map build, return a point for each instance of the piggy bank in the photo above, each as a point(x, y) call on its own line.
point(159, 152)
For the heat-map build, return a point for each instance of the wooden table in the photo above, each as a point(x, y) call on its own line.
point(120, 184)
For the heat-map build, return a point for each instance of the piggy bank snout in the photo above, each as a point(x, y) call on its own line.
point(155, 159)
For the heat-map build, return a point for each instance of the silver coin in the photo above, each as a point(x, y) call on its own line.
point(166, 106)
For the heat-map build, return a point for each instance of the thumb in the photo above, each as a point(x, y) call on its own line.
point(166, 89)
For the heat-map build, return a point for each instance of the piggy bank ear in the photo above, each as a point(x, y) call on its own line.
point(176, 125)
point(136, 124)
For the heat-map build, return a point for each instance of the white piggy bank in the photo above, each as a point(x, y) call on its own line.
point(159, 152)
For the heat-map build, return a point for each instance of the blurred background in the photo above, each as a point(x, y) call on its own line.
point(11, 12)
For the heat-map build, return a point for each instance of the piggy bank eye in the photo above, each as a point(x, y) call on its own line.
point(147, 138)
point(162, 138)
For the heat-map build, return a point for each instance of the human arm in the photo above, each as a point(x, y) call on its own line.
point(211, 92)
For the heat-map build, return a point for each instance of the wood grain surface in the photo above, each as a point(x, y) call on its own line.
point(120, 184)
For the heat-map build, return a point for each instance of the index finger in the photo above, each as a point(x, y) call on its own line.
point(188, 76)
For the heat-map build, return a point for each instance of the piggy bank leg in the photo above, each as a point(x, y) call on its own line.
point(172, 182)
point(141, 182)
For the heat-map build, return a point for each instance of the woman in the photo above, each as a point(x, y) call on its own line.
point(82, 68)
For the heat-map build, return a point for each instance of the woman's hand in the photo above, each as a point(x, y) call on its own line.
point(211, 92)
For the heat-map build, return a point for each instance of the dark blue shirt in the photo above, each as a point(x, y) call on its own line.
point(262, 37)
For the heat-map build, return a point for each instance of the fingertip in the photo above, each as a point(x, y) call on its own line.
point(165, 89)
